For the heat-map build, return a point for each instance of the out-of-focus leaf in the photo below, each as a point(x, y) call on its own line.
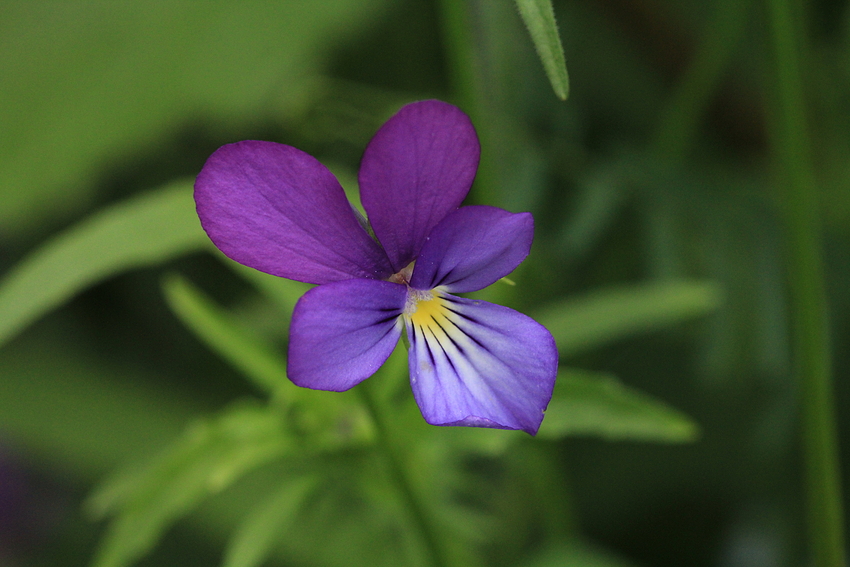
point(603, 316)
point(539, 17)
point(86, 83)
point(77, 414)
point(248, 353)
point(141, 231)
point(599, 405)
point(576, 554)
point(255, 539)
point(208, 458)
point(599, 197)
point(355, 518)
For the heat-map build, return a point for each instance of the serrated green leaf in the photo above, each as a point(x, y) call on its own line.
point(209, 457)
point(212, 324)
point(142, 231)
point(583, 323)
point(539, 18)
point(254, 540)
point(599, 405)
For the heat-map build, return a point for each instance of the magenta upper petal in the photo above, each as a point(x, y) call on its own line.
point(342, 332)
point(277, 209)
point(472, 248)
point(418, 167)
point(479, 364)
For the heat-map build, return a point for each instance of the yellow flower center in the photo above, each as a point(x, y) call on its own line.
point(425, 308)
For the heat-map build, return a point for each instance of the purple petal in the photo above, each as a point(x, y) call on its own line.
point(478, 364)
point(342, 332)
point(472, 248)
point(418, 167)
point(274, 208)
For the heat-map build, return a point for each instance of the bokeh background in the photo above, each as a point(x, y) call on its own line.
point(659, 253)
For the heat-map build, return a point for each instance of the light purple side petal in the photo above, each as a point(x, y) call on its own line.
point(472, 248)
point(418, 167)
point(482, 365)
point(277, 209)
point(342, 332)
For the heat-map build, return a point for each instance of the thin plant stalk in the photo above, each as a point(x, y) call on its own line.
point(392, 454)
point(808, 302)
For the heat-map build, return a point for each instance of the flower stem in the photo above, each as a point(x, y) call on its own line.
point(391, 453)
point(810, 326)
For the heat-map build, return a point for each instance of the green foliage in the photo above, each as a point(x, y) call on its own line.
point(146, 230)
point(257, 536)
point(587, 404)
point(607, 315)
point(208, 458)
point(81, 415)
point(577, 554)
point(84, 83)
point(539, 17)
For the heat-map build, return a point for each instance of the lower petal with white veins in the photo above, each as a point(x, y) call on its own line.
point(478, 364)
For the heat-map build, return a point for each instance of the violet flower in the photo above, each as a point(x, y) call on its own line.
point(277, 209)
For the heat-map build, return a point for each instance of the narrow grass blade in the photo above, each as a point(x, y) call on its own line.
point(539, 18)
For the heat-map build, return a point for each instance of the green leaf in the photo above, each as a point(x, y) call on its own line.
point(209, 457)
point(88, 83)
point(539, 18)
point(255, 539)
point(576, 554)
point(142, 231)
point(212, 324)
point(580, 324)
point(355, 519)
point(599, 405)
point(81, 415)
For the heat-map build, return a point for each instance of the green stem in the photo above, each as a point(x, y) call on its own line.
point(393, 457)
point(810, 326)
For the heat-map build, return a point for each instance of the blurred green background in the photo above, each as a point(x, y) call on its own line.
point(659, 259)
